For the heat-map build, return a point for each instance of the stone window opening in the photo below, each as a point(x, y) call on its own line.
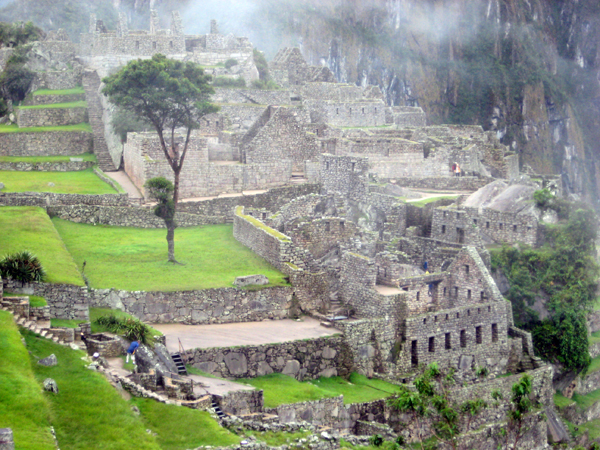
point(458, 315)
point(475, 221)
point(446, 316)
point(432, 344)
point(443, 229)
point(478, 335)
point(515, 228)
point(425, 320)
point(137, 45)
point(468, 293)
point(494, 332)
point(327, 226)
point(264, 215)
point(418, 295)
point(463, 338)
point(414, 353)
point(445, 296)
point(337, 110)
point(478, 310)
point(482, 294)
point(350, 110)
point(528, 228)
point(458, 215)
point(153, 45)
point(385, 272)
point(342, 225)
point(363, 110)
point(326, 165)
point(448, 342)
point(445, 213)
point(456, 291)
point(208, 123)
point(435, 318)
point(487, 224)
point(500, 225)
point(171, 44)
point(353, 166)
point(468, 312)
point(375, 110)
point(217, 123)
point(466, 269)
point(489, 309)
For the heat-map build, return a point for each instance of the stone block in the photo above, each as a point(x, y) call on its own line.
point(48, 361)
point(6, 439)
point(249, 280)
point(292, 367)
point(236, 363)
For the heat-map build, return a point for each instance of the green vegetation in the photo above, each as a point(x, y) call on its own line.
point(42, 159)
point(280, 389)
point(22, 404)
point(564, 270)
point(80, 182)
point(592, 427)
point(65, 323)
point(80, 414)
point(132, 329)
point(22, 266)
point(96, 314)
point(35, 301)
point(180, 428)
point(230, 63)
point(425, 201)
point(276, 438)
point(14, 128)
point(69, 105)
point(74, 91)
point(259, 224)
point(133, 259)
point(594, 365)
point(560, 401)
point(265, 85)
point(587, 400)
point(30, 228)
point(228, 82)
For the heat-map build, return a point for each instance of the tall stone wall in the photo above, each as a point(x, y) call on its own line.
point(66, 166)
point(321, 235)
point(306, 359)
point(49, 99)
point(59, 79)
point(345, 175)
point(252, 96)
point(43, 117)
point(224, 305)
point(48, 199)
point(134, 45)
point(355, 114)
point(50, 143)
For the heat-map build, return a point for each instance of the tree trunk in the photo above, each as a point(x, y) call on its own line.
point(171, 240)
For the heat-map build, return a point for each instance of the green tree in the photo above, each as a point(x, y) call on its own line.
point(168, 94)
point(521, 406)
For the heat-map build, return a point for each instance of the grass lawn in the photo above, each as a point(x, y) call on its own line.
point(35, 301)
point(425, 201)
point(135, 259)
point(79, 104)
point(560, 401)
point(595, 365)
point(95, 313)
point(22, 404)
point(14, 128)
point(30, 228)
point(81, 182)
point(585, 401)
point(39, 159)
point(87, 412)
point(179, 428)
point(76, 90)
point(280, 389)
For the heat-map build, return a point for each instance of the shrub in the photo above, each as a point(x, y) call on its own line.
point(22, 266)
point(376, 440)
point(261, 65)
point(230, 63)
point(229, 82)
point(131, 329)
point(265, 85)
point(15, 82)
point(124, 122)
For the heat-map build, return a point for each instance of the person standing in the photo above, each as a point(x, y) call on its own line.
point(457, 170)
point(131, 351)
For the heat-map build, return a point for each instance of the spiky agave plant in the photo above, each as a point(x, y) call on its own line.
point(22, 266)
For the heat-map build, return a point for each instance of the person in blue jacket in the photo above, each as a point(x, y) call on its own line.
point(131, 351)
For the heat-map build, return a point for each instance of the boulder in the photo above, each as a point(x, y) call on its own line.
point(236, 363)
point(50, 385)
point(48, 361)
point(147, 360)
point(251, 280)
point(164, 357)
point(1, 185)
point(7, 441)
point(292, 367)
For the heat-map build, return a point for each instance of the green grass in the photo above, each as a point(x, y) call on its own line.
point(22, 404)
point(14, 128)
point(276, 438)
point(194, 371)
point(95, 313)
point(66, 323)
point(42, 159)
point(67, 105)
point(36, 301)
point(76, 90)
point(280, 389)
point(585, 401)
point(135, 259)
point(593, 427)
point(179, 428)
point(596, 304)
point(80, 182)
point(425, 201)
point(595, 365)
point(595, 337)
point(30, 228)
point(87, 412)
point(560, 401)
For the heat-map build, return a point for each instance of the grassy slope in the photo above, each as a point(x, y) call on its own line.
point(76, 90)
point(179, 428)
point(29, 228)
point(39, 159)
point(22, 404)
point(79, 104)
point(280, 389)
point(87, 412)
point(81, 182)
point(136, 259)
point(15, 128)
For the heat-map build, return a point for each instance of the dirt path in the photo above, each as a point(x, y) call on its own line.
point(246, 333)
point(122, 178)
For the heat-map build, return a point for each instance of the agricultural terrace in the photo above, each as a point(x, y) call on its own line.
point(81, 182)
point(135, 259)
point(30, 228)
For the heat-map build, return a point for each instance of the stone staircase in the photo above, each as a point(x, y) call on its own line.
point(91, 85)
point(178, 360)
point(298, 178)
point(39, 327)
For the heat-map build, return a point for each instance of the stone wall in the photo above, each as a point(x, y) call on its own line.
point(252, 96)
point(223, 305)
point(354, 114)
point(43, 117)
point(59, 79)
point(65, 301)
point(49, 99)
point(50, 143)
point(321, 235)
point(306, 359)
point(66, 166)
point(443, 183)
point(345, 175)
point(241, 402)
point(133, 44)
point(49, 199)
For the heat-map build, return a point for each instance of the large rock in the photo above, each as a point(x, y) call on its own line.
point(50, 385)
point(164, 357)
point(146, 360)
point(292, 367)
point(263, 368)
point(48, 361)
point(251, 280)
point(7, 441)
point(236, 363)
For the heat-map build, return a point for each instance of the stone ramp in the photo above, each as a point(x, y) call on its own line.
point(245, 333)
point(556, 427)
point(123, 179)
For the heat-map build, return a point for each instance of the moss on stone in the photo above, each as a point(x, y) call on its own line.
point(262, 226)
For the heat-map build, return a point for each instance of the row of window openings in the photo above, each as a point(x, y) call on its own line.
point(352, 165)
point(435, 318)
point(337, 110)
point(487, 225)
point(137, 45)
point(481, 294)
point(448, 341)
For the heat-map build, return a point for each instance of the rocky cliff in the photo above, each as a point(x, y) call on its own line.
point(528, 69)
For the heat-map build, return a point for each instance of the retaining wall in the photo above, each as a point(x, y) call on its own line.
point(43, 117)
point(65, 166)
point(49, 143)
point(49, 199)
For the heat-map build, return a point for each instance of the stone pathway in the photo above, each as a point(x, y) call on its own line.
point(246, 333)
point(122, 178)
point(216, 386)
point(388, 290)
